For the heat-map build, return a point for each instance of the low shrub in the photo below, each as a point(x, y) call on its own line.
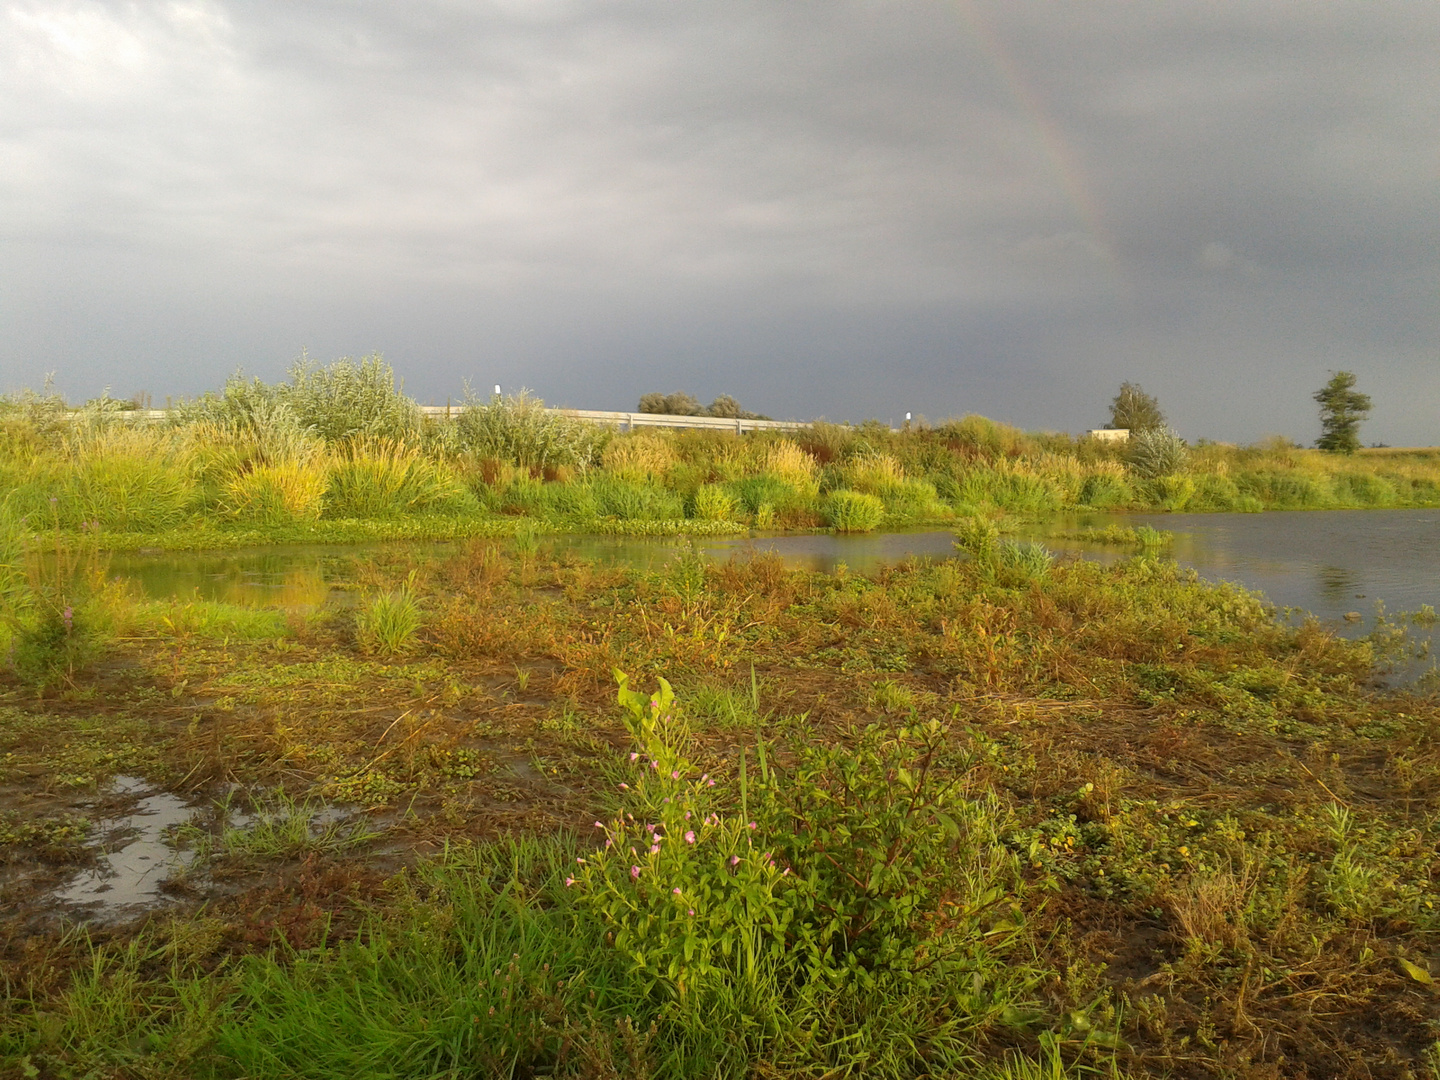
point(914, 500)
point(126, 494)
point(874, 474)
point(1282, 490)
point(1008, 489)
point(1170, 492)
point(1104, 492)
point(519, 430)
point(573, 502)
point(1004, 562)
point(1155, 452)
point(785, 459)
point(981, 436)
point(1363, 489)
point(640, 457)
point(1213, 492)
point(348, 399)
point(853, 511)
point(754, 493)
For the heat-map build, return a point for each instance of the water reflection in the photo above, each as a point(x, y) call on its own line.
point(284, 577)
point(1337, 583)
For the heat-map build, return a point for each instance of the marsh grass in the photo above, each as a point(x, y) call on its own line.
point(1172, 786)
point(248, 460)
point(385, 478)
point(283, 493)
point(277, 827)
point(853, 511)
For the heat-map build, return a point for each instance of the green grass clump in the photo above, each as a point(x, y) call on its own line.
point(279, 827)
point(712, 502)
point(287, 492)
point(389, 621)
point(209, 619)
point(628, 500)
point(386, 479)
point(853, 511)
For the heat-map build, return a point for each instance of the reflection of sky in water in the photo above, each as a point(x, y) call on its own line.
point(1327, 562)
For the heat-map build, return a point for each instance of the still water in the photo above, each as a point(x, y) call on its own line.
point(1332, 563)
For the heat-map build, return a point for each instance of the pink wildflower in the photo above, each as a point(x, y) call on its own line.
point(634, 871)
point(599, 824)
point(624, 787)
point(734, 860)
point(676, 890)
point(690, 836)
point(654, 849)
point(634, 757)
point(691, 912)
point(751, 825)
point(674, 774)
point(569, 881)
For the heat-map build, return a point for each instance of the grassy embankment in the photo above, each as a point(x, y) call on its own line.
point(995, 817)
point(339, 454)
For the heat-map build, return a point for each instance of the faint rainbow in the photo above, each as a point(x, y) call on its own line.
point(1064, 162)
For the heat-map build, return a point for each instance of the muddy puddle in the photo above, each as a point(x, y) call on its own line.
point(150, 848)
point(136, 856)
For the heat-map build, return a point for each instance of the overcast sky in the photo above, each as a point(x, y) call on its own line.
point(823, 208)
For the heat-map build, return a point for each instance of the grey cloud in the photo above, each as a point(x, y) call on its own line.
point(838, 208)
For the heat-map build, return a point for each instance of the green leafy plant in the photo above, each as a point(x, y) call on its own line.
point(858, 872)
point(346, 399)
point(713, 503)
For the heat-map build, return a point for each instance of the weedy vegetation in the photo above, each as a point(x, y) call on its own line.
point(338, 452)
point(479, 809)
point(994, 815)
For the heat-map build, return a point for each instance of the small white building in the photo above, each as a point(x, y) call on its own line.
point(1110, 434)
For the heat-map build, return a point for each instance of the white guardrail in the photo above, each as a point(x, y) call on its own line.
point(629, 421)
point(626, 421)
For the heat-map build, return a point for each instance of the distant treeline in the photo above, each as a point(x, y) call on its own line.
point(683, 404)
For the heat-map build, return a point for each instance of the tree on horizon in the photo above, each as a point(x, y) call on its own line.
point(1136, 410)
point(1342, 410)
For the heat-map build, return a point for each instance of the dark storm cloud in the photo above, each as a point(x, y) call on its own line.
point(850, 209)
